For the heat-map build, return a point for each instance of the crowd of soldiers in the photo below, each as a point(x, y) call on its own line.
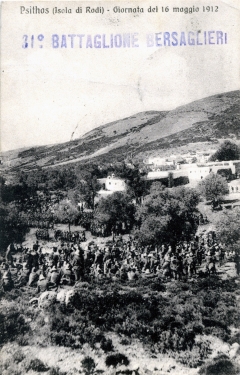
point(121, 259)
point(69, 236)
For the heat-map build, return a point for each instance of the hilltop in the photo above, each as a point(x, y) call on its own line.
point(203, 122)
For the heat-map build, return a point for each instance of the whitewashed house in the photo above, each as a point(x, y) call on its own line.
point(110, 185)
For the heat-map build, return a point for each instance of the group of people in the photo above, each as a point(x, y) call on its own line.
point(122, 259)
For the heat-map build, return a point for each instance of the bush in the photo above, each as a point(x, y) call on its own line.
point(107, 345)
point(88, 365)
point(116, 360)
point(125, 342)
point(12, 324)
point(235, 338)
point(18, 356)
point(56, 371)
point(36, 365)
point(221, 367)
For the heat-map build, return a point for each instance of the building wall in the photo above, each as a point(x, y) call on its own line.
point(199, 172)
point(234, 186)
point(115, 184)
point(156, 161)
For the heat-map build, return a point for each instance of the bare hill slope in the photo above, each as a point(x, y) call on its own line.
point(200, 121)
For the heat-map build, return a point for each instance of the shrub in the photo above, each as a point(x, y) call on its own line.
point(220, 367)
point(12, 324)
point(107, 345)
point(18, 356)
point(56, 371)
point(88, 365)
point(125, 342)
point(117, 359)
point(22, 340)
point(36, 365)
point(235, 338)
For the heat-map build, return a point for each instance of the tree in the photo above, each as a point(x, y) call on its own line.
point(227, 151)
point(66, 212)
point(87, 185)
point(114, 209)
point(133, 177)
point(117, 359)
point(213, 187)
point(13, 227)
point(227, 227)
point(167, 215)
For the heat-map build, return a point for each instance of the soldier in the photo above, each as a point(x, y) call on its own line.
point(77, 265)
point(9, 252)
point(42, 284)
point(131, 274)
point(35, 258)
point(200, 252)
point(210, 263)
point(174, 267)
point(7, 281)
point(62, 257)
point(23, 275)
point(98, 257)
point(28, 258)
point(33, 277)
point(191, 264)
point(67, 275)
point(3, 268)
point(237, 262)
point(54, 277)
point(55, 256)
point(36, 246)
point(40, 257)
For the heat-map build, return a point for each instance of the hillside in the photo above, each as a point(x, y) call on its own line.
point(206, 120)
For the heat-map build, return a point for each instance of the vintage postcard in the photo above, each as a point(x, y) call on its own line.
point(120, 187)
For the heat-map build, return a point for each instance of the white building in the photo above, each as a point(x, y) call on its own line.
point(197, 172)
point(194, 172)
point(115, 184)
point(110, 185)
point(156, 161)
point(234, 186)
point(203, 156)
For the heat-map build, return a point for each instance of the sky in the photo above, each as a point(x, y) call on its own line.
point(48, 93)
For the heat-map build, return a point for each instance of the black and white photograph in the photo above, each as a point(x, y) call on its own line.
point(120, 187)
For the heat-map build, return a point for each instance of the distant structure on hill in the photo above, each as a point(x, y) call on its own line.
point(190, 157)
point(195, 172)
point(110, 185)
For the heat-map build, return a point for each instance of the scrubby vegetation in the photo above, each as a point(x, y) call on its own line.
point(173, 320)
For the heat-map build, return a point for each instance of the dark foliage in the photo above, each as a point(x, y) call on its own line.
point(227, 151)
point(12, 326)
point(221, 366)
point(88, 365)
point(116, 360)
point(13, 227)
point(166, 323)
point(36, 365)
